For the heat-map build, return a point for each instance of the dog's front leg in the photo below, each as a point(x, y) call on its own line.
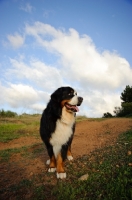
point(60, 167)
point(52, 164)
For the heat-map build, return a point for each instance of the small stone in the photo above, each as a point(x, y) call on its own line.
point(31, 173)
point(130, 164)
point(129, 153)
point(84, 177)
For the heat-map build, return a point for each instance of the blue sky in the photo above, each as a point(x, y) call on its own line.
point(46, 44)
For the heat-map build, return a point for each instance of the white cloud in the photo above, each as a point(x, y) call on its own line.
point(16, 40)
point(27, 8)
point(98, 77)
point(23, 98)
point(80, 59)
point(18, 94)
point(36, 72)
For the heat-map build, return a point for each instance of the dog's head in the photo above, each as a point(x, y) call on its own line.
point(67, 96)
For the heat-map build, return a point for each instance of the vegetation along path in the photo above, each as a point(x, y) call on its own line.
point(23, 173)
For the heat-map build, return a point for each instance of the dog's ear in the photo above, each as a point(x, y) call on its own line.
point(57, 95)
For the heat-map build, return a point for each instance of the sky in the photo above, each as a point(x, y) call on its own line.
point(46, 44)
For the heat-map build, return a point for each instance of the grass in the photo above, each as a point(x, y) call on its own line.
point(82, 118)
point(13, 128)
point(6, 154)
point(10, 132)
point(110, 174)
point(34, 150)
point(26, 125)
point(109, 168)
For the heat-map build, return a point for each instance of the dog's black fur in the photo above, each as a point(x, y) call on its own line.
point(59, 108)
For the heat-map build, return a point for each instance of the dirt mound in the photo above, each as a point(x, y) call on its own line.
point(90, 135)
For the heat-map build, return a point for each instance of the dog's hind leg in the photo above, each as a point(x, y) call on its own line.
point(69, 155)
point(52, 165)
point(52, 161)
point(48, 162)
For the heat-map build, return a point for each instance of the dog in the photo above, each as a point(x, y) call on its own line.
point(57, 127)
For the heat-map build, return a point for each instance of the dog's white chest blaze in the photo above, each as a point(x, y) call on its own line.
point(63, 131)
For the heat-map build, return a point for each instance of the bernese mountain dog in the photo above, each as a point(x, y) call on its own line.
point(57, 127)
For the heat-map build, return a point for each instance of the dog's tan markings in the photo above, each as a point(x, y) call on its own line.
point(69, 155)
point(69, 151)
point(52, 162)
point(60, 164)
point(63, 102)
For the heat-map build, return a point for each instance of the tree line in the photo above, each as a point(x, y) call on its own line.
point(7, 113)
point(126, 105)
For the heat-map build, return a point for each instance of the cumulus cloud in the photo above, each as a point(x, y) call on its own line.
point(22, 96)
point(19, 94)
point(99, 77)
point(16, 40)
point(80, 59)
point(44, 76)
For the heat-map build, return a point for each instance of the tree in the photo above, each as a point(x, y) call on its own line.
point(126, 95)
point(126, 105)
point(7, 113)
point(118, 112)
point(107, 115)
point(127, 109)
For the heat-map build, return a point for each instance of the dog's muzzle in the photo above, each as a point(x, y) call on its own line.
point(80, 100)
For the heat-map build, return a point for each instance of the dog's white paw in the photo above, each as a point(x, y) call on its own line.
point(52, 169)
point(69, 158)
point(61, 175)
point(48, 162)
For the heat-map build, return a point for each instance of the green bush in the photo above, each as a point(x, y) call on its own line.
point(127, 108)
point(7, 113)
point(107, 115)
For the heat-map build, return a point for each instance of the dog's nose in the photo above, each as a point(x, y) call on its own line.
point(80, 99)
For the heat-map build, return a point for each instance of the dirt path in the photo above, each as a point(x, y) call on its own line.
point(88, 135)
point(29, 166)
point(95, 134)
point(20, 142)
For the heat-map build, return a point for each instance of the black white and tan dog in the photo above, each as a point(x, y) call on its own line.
point(57, 127)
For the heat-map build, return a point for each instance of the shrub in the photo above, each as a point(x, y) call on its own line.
point(107, 115)
point(7, 113)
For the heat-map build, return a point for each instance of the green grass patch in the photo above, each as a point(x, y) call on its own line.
point(109, 169)
point(22, 190)
point(82, 118)
point(10, 131)
point(110, 174)
point(7, 153)
point(30, 152)
point(13, 128)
